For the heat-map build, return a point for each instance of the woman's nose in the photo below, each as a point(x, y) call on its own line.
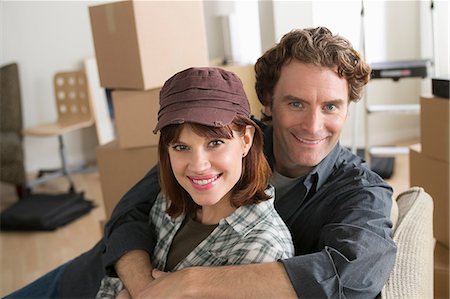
point(199, 161)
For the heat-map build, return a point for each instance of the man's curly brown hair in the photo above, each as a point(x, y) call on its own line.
point(316, 46)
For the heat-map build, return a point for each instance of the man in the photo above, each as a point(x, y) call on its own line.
point(336, 208)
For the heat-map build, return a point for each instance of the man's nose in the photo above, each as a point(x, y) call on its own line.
point(313, 121)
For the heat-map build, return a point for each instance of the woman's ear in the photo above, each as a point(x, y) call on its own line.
point(247, 139)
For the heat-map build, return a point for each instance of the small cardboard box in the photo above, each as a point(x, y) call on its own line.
point(433, 176)
point(246, 73)
point(120, 169)
point(136, 115)
point(441, 280)
point(140, 44)
point(434, 127)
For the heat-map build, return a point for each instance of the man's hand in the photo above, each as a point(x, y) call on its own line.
point(135, 271)
point(158, 274)
point(124, 294)
point(268, 280)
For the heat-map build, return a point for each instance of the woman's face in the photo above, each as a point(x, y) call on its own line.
point(208, 168)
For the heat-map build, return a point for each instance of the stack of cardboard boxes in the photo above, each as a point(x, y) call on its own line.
point(138, 46)
point(429, 168)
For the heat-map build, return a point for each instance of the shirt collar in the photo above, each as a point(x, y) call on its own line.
point(245, 218)
point(320, 173)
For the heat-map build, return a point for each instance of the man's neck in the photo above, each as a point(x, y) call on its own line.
point(292, 172)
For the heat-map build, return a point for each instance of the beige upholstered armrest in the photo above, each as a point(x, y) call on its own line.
point(394, 213)
point(412, 276)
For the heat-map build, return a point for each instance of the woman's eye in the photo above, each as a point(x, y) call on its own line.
point(179, 147)
point(215, 143)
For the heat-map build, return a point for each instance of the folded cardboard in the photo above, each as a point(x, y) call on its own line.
point(434, 127)
point(136, 115)
point(441, 279)
point(140, 44)
point(246, 73)
point(433, 175)
point(121, 169)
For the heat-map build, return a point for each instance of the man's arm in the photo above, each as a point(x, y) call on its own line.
point(128, 229)
point(266, 280)
point(357, 256)
point(135, 270)
point(357, 251)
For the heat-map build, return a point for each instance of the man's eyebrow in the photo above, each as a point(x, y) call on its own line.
point(335, 101)
point(292, 98)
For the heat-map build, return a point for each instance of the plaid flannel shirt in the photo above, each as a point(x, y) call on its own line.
point(252, 234)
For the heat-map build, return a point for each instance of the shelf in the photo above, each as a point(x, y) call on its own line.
point(388, 151)
point(397, 109)
point(394, 70)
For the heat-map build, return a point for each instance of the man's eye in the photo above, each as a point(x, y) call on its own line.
point(330, 107)
point(295, 104)
point(179, 147)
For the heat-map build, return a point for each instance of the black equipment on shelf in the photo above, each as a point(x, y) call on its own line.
point(396, 70)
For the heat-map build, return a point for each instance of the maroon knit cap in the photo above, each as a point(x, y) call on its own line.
point(207, 96)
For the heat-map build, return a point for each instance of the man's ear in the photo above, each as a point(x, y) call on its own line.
point(247, 139)
point(267, 111)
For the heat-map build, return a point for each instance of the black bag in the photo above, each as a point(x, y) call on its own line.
point(44, 212)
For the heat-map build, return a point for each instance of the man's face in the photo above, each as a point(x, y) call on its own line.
point(309, 109)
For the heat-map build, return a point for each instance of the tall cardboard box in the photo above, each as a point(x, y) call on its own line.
point(120, 169)
point(136, 115)
point(434, 127)
point(433, 175)
point(140, 44)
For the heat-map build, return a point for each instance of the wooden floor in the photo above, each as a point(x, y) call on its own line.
point(26, 256)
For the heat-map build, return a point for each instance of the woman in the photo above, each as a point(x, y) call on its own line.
point(215, 206)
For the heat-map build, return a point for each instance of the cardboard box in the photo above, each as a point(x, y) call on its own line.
point(434, 127)
point(120, 169)
point(136, 115)
point(140, 44)
point(433, 176)
point(441, 279)
point(247, 75)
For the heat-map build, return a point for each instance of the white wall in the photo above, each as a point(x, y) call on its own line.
point(386, 39)
point(289, 15)
point(46, 37)
point(233, 31)
point(440, 18)
point(400, 40)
